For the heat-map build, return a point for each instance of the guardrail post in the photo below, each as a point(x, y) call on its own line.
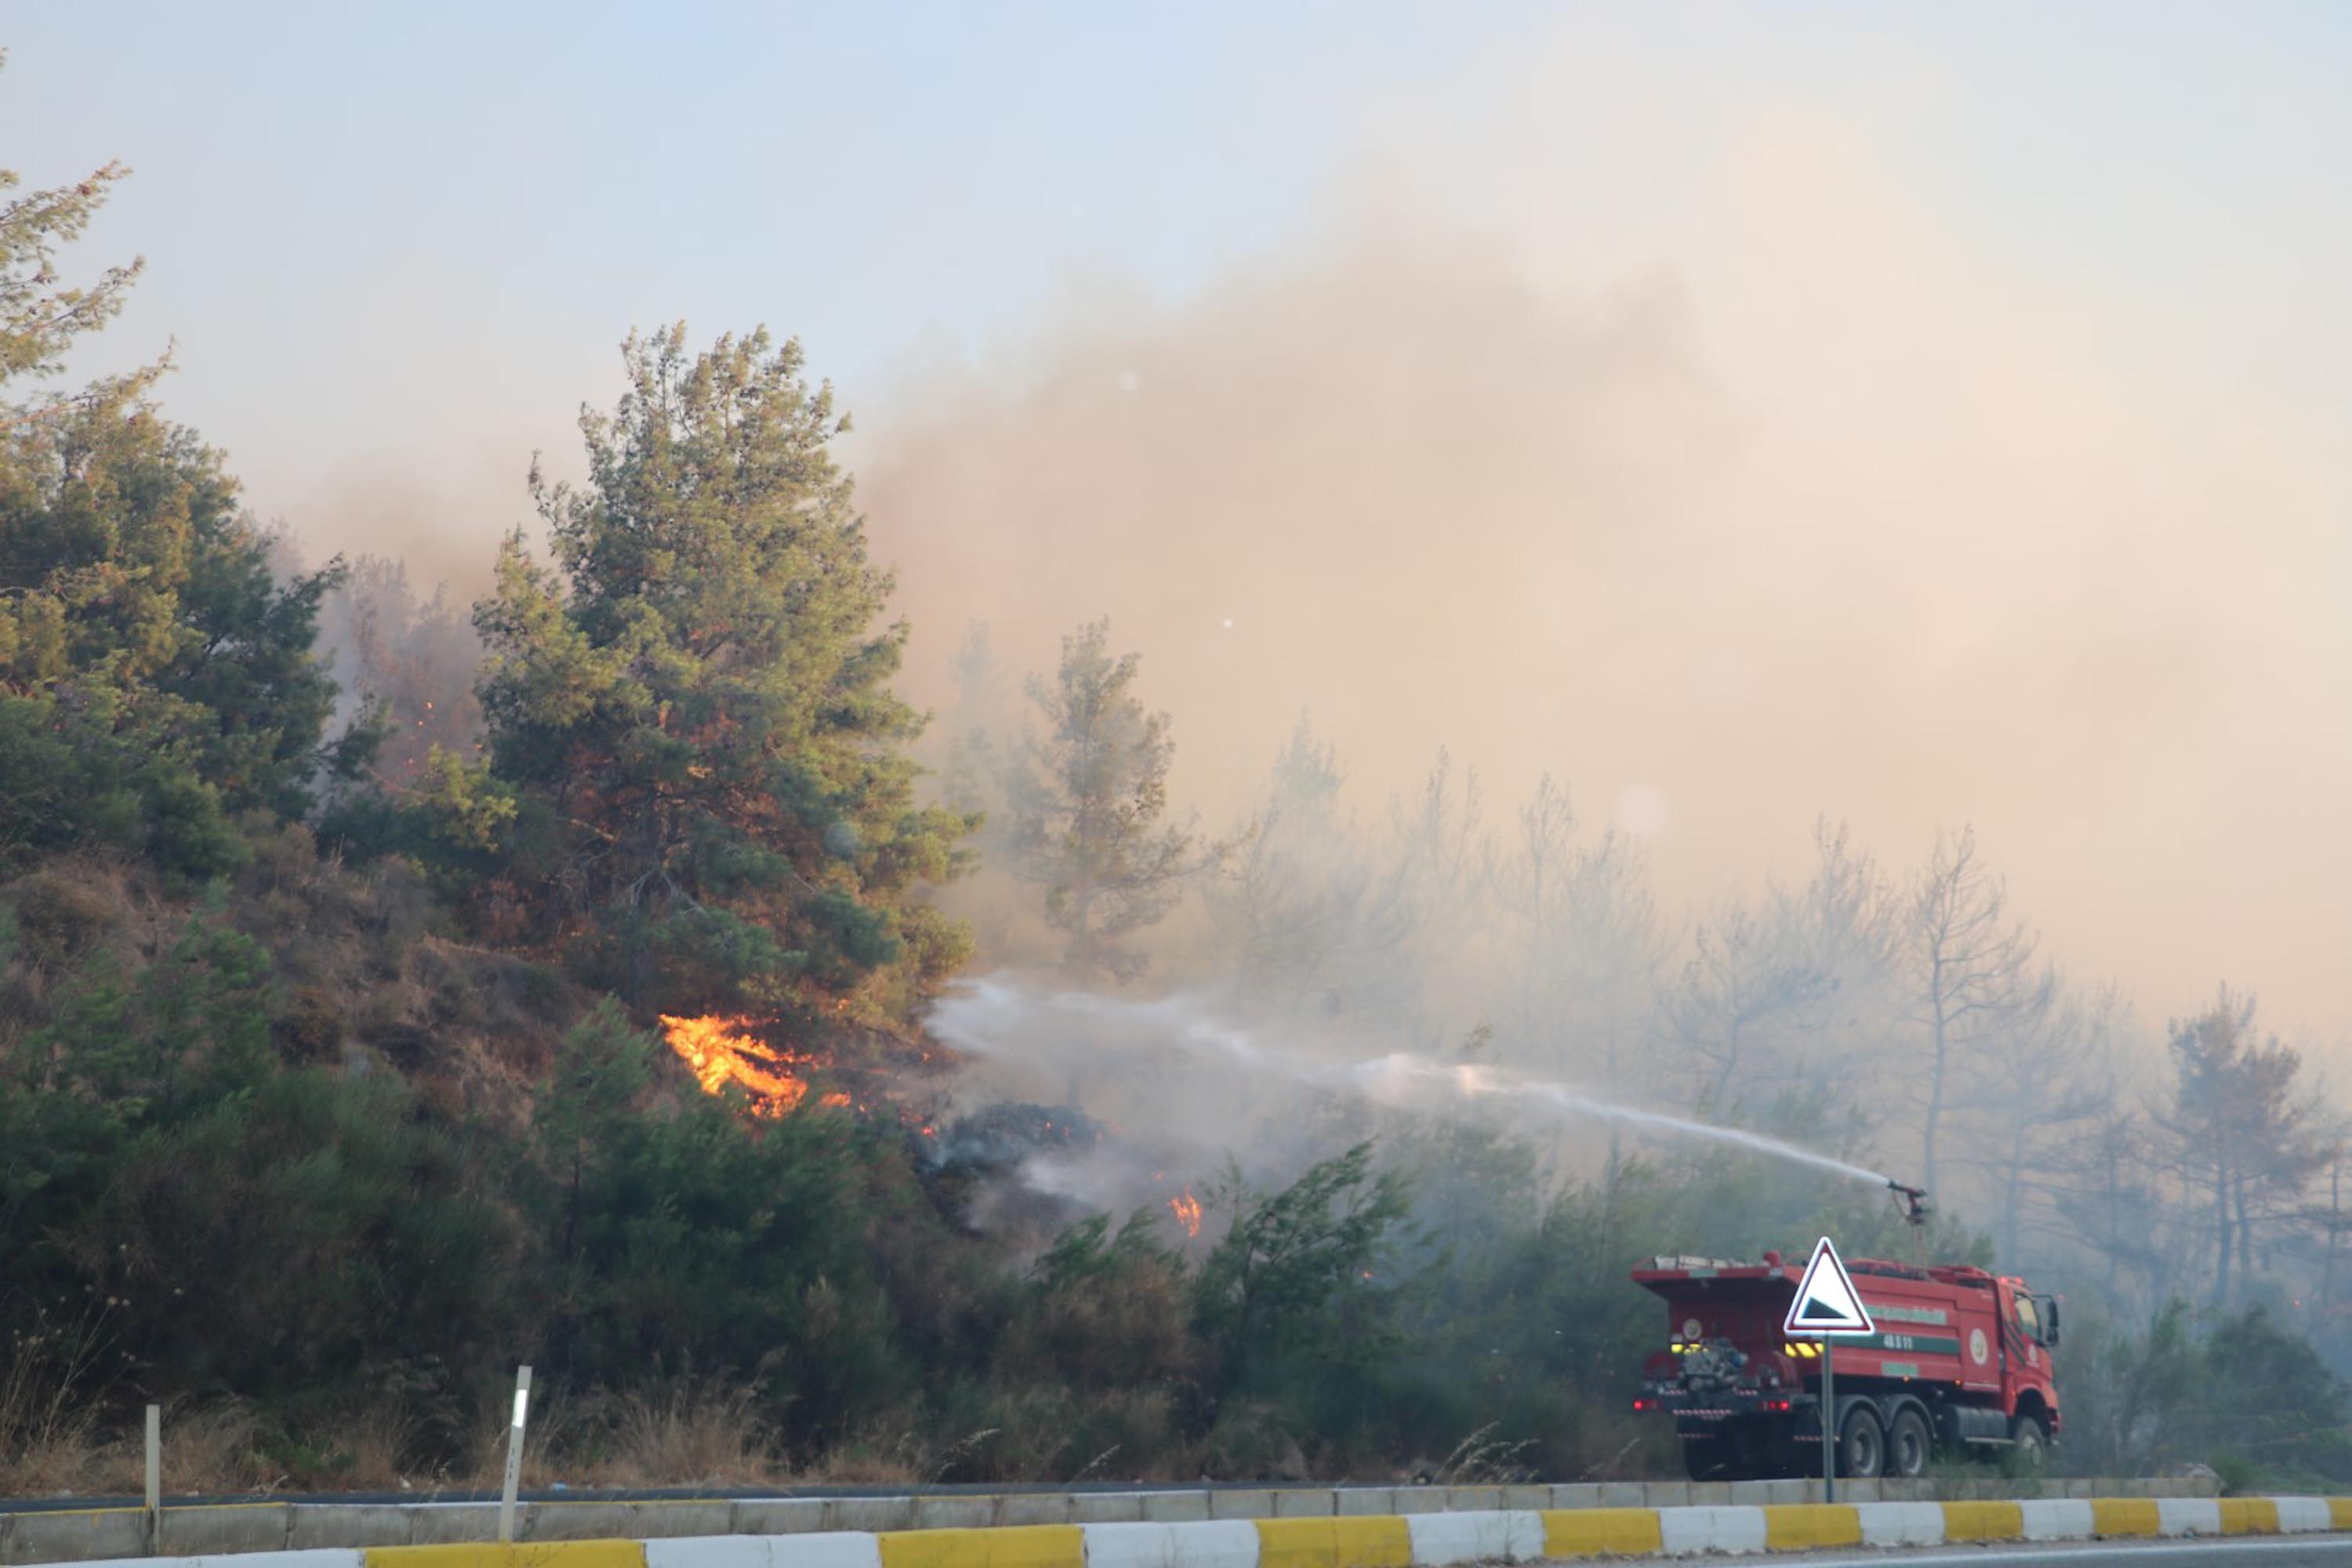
point(514, 1455)
point(155, 1481)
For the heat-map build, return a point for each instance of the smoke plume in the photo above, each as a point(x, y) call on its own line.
point(1821, 508)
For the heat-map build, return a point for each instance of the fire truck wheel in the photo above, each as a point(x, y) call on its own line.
point(1907, 1442)
point(2033, 1444)
point(1862, 1444)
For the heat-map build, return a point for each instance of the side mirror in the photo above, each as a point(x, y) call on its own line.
point(2049, 1305)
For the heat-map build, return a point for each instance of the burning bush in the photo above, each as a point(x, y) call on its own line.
point(723, 1051)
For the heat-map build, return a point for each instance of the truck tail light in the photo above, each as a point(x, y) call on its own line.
point(1776, 1404)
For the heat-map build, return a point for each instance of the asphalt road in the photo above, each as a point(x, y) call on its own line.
point(2268, 1552)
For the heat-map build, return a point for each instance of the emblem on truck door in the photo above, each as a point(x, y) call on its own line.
point(1977, 1347)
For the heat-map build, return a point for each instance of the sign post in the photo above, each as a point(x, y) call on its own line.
point(1829, 1420)
point(1828, 1308)
point(155, 1478)
point(514, 1455)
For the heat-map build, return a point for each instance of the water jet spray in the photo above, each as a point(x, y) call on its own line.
point(994, 1019)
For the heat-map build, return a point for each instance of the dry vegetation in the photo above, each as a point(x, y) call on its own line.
point(363, 973)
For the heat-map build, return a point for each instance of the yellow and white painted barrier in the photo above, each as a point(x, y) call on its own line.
point(1376, 1540)
point(1409, 1541)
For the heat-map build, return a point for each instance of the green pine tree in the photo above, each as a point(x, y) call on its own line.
point(1089, 797)
point(157, 680)
point(693, 708)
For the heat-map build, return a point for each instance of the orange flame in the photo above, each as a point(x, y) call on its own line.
point(720, 1052)
point(1187, 1210)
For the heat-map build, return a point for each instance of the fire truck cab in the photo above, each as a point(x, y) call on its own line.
point(1961, 1360)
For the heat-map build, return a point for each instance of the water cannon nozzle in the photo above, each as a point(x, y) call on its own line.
point(1915, 1201)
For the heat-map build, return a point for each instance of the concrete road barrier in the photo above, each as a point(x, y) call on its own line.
point(1373, 1542)
point(520, 1555)
point(1900, 1523)
point(1426, 1540)
point(1498, 1535)
point(818, 1549)
point(2056, 1518)
point(1206, 1543)
point(1319, 1527)
point(2188, 1516)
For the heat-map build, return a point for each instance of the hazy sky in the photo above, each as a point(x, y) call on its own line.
point(1913, 416)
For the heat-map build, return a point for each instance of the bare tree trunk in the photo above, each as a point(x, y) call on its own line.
point(2245, 1234)
point(1934, 1085)
point(2011, 1198)
point(2221, 1231)
point(2114, 1218)
point(1723, 1074)
point(2335, 1234)
point(1614, 1139)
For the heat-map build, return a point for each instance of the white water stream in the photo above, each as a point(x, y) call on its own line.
point(997, 1019)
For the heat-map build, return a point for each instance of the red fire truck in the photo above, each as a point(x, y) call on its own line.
point(1962, 1358)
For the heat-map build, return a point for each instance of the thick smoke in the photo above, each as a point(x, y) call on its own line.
point(1820, 511)
point(1697, 446)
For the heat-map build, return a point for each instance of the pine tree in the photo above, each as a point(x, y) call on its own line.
point(1317, 912)
point(972, 779)
point(157, 680)
point(2244, 1130)
point(694, 710)
point(39, 317)
point(1087, 800)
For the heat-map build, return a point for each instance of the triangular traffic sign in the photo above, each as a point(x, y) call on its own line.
point(1827, 1303)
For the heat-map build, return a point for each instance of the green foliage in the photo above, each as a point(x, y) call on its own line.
point(39, 319)
point(2247, 1136)
point(247, 1226)
point(1106, 1312)
point(2240, 1388)
point(682, 1234)
point(1301, 1296)
point(1088, 799)
point(155, 680)
point(692, 709)
point(2270, 1398)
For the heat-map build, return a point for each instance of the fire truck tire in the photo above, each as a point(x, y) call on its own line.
point(1908, 1443)
point(2032, 1443)
point(1862, 1444)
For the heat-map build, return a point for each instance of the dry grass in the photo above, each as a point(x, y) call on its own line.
point(48, 1442)
point(207, 1450)
point(1484, 1459)
point(682, 1437)
point(359, 971)
point(67, 1460)
point(690, 1434)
